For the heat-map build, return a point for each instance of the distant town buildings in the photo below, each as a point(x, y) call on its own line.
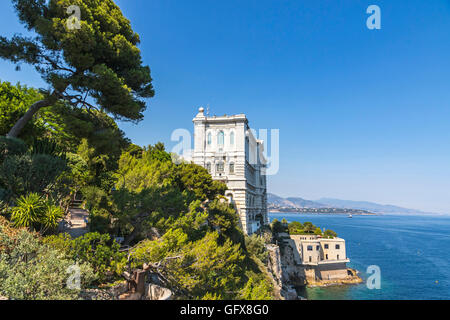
point(227, 148)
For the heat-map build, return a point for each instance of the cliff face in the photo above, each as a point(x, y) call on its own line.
point(274, 265)
point(280, 271)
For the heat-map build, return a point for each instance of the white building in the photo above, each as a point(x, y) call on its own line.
point(321, 258)
point(227, 148)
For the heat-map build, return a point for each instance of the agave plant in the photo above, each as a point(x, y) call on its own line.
point(28, 211)
point(53, 214)
point(36, 213)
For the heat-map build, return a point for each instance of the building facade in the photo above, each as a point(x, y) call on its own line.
point(227, 148)
point(322, 258)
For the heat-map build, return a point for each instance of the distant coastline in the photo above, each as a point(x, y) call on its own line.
point(336, 211)
point(337, 206)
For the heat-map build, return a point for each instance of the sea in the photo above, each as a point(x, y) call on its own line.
point(411, 255)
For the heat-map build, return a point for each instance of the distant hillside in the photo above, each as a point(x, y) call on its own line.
point(298, 203)
point(293, 202)
point(370, 206)
point(302, 203)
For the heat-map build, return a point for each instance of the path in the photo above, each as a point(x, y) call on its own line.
point(78, 226)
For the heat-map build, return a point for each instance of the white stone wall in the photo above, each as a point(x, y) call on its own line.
point(323, 250)
point(247, 184)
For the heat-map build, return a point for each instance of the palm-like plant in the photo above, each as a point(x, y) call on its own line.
point(52, 215)
point(28, 211)
point(36, 213)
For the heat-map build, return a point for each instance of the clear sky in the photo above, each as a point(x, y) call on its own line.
point(363, 114)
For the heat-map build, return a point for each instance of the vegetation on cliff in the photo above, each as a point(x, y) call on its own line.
point(64, 140)
point(295, 228)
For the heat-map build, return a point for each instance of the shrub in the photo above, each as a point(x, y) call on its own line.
point(277, 226)
point(36, 213)
point(256, 245)
point(11, 147)
point(199, 268)
point(295, 227)
point(330, 234)
point(30, 270)
point(99, 250)
point(318, 232)
point(257, 289)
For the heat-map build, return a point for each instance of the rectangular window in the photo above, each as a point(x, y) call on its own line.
point(326, 246)
point(317, 248)
point(326, 256)
point(310, 248)
point(338, 257)
point(310, 259)
point(338, 246)
point(219, 167)
point(232, 168)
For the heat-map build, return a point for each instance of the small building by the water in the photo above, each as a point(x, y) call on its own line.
point(321, 258)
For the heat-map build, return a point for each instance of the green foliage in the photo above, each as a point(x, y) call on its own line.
point(91, 136)
point(78, 172)
point(308, 227)
point(223, 218)
point(197, 180)
point(151, 191)
point(11, 147)
point(95, 198)
point(257, 289)
point(30, 270)
point(295, 227)
point(277, 226)
point(212, 296)
point(330, 234)
point(98, 250)
point(36, 213)
point(255, 245)
point(100, 221)
point(14, 102)
point(100, 60)
point(194, 223)
point(31, 171)
point(318, 232)
point(198, 268)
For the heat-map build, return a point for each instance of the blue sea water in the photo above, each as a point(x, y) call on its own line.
point(413, 253)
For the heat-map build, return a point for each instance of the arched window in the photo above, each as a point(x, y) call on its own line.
point(219, 167)
point(208, 167)
point(232, 138)
point(220, 138)
point(231, 168)
point(209, 138)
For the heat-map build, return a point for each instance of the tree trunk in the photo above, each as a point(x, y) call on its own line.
point(20, 124)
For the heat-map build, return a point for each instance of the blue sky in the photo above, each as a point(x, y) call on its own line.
point(363, 114)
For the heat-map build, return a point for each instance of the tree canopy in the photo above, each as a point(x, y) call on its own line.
point(95, 66)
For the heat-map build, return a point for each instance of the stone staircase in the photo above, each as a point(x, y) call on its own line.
point(77, 219)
